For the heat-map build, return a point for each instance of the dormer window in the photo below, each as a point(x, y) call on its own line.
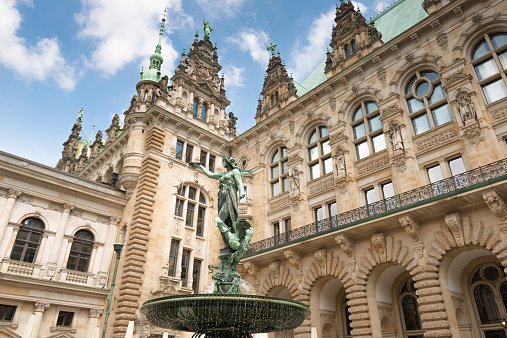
point(353, 44)
point(347, 51)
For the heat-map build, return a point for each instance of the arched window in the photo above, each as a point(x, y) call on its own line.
point(319, 153)
point(426, 101)
point(195, 107)
point(191, 205)
point(368, 132)
point(81, 251)
point(28, 240)
point(203, 111)
point(489, 58)
point(279, 172)
point(410, 312)
point(489, 293)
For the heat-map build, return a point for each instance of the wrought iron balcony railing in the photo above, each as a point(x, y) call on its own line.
point(437, 190)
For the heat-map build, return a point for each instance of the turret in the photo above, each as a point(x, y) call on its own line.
point(70, 147)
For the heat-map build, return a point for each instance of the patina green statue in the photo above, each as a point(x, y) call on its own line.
point(236, 233)
point(206, 27)
point(271, 48)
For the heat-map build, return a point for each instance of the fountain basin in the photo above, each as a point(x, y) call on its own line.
point(211, 314)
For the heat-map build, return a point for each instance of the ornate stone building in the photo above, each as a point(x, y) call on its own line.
point(376, 186)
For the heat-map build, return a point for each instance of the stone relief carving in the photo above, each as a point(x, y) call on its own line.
point(394, 132)
point(453, 222)
point(418, 249)
point(274, 269)
point(320, 258)
point(339, 162)
point(295, 260)
point(321, 186)
point(373, 166)
point(345, 244)
point(13, 193)
point(466, 108)
point(437, 140)
point(411, 227)
point(294, 180)
point(96, 313)
point(55, 206)
point(496, 204)
point(378, 242)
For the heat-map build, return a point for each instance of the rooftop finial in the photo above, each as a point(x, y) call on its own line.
point(80, 113)
point(206, 28)
point(93, 127)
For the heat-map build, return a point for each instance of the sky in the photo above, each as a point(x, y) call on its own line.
point(58, 56)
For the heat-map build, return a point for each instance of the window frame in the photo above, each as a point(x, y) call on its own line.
point(66, 314)
point(185, 267)
point(282, 177)
point(401, 295)
point(321, 158)
point(30, 230)
point(491, 54)
point(80, 254)
point(182, 207)
point(369, 134)
point(196, 275)
point(428, 107)
point(173, 257)
point(14, 308)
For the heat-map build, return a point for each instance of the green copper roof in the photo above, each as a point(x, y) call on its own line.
point(156, 59)
point(391, 22)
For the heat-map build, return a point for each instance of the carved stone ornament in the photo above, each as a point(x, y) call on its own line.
point(399, 159)
point(345, 244)
point(411, 227)
point(496, 204)
point(274, 269)
point(472, 131)
point(253, 271)
point(320, 258)
point(419, 249)
point(96, 313)
point(41, 306)
point(339, 162)
point(442, 40)
point(294, 258)
point(13, 193)
point(294, 180)
point(466, 108)
point(394, 132)
point(453, 222)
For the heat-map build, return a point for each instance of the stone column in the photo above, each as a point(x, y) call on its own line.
point(40, 307)
point(190, 100)
point(57, 243)
point(107, 253)
point(211, 112)
point(93, 329)
point(5, 217)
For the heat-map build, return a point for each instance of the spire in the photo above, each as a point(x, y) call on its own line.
point(153, 73)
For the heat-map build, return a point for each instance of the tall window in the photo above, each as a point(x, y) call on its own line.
point(179, 149)
point(173, 256)
point(188, 153)
point(81, 251)
point(196, 275)
point(28, 240)
point(185, 261)
point(191, 205)
point(203, 111)
point(489, 294)
point(319, 153)
point(489, 58)
point(426, 101)
point(207, 160)
point(195, 106)
point(388, 194)
point(410, 312)
point(65, 318)
point(367, 127)
point(279, 172)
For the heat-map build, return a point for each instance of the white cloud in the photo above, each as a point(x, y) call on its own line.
point(37, 62)
point(216, 8)
point(252, 41)
point(125, 31)
point(305, 58)
point(381, 5)
point(362, 6)
point(233, 76)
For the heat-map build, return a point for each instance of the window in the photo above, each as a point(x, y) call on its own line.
point(279, 172)
point(489, 58)
point(179, 150)
point(196, 275)
point(207, 160)
point(28, 240)
point(243, 200)
point(7, 313)
point(488, 291)
point(458, 172)
point(370, 197)
point(426, 101)
point(65, 318)
point(409, 309)
point(188, 153)
point(288, 226)
point(367, 128)
point(195, 107)
point(435, 174)
point(81, 251)
point(211, 163)
point(319, 214)
point(173, 256)
point(203, 157)
point(388, 194)
point(276, 229)
point(319, 153)
point(203, 111)
point(332, 209)
point(191, 205)
point(185, 261)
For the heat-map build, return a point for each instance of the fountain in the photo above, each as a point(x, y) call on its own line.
point(228, 308)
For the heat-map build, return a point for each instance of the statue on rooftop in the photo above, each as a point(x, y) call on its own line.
point(80, 113)
point(206, 27)
point(271, 48)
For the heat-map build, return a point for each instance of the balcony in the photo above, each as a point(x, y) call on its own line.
point(441, 190)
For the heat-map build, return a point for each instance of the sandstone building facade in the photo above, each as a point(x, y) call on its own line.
point(376, 186)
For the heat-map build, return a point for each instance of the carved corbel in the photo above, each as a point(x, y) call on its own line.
point(378, 242)
point(496, 204)
point(295, 260)
point(345, 244)
point(411, 227)
point(274, 270)
point(253, 271)
point(320, 258)
point(453, 222)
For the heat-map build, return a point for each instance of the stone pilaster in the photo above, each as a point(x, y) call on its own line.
point(5, 216)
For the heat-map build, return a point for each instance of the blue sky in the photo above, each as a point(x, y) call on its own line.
point(58, 55)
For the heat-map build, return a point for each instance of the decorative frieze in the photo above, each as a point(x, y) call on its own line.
point(437, 139)
point(372, 166)
point(498, 116)
point(321, 186)
point(279, 203)
point(199, 247)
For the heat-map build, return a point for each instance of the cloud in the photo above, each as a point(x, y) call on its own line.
point(305, 58)
point(37, 62)
point(252, 41)
point(381, 5)
point(362, 6)
point(125, 31)
point(233, 76)
point(216, 8)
